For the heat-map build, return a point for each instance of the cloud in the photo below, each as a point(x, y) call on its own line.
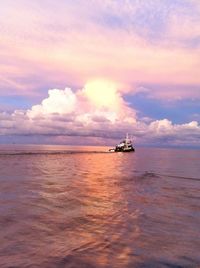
point(148, 47)
point(164, 132)
point(59, 102)
point(147, 42)
point(64, 112)
point(170, 92)
point(89, 113)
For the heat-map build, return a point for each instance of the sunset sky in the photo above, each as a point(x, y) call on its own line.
point(90, 71)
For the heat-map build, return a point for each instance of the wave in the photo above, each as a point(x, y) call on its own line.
point(180, 177)
point(156, 175)
point(51, 153)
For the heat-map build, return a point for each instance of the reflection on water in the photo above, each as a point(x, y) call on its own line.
point(99, 209)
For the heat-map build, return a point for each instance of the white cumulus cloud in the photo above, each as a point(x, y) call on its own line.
point(97, 110)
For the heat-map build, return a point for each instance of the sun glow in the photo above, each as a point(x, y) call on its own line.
point(102, 93)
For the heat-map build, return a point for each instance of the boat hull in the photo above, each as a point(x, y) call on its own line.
point(124, 150)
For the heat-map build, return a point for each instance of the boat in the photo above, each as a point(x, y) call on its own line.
point(124, 146)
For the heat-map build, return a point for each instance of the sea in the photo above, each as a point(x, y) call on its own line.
point(85, 207)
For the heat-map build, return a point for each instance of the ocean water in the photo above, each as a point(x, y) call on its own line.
point(84, 207)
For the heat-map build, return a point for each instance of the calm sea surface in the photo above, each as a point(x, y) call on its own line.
point(84, 207)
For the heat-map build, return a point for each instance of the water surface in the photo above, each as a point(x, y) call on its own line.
point(84, 207)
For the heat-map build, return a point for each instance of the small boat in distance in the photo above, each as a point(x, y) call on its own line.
point(124, 146)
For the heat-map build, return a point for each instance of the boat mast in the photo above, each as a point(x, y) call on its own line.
point(126, 140)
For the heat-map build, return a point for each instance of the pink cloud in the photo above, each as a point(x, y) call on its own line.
point(65, 113)
point(55, 47)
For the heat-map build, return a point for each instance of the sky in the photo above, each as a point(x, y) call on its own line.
point(88, 72)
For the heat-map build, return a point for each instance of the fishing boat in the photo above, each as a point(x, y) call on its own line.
point(124, 146)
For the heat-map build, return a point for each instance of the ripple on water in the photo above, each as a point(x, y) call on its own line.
point(99, 210)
